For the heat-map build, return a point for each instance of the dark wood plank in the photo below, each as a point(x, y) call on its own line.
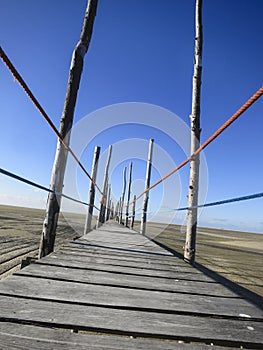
point(129, 281)
point(119, 253)
point(114, 235)
point(138, 323)
point(128, 298)
point(117, 281)
point(167, 261)
point(80, 263)
point(27, 337)
point(141, 264)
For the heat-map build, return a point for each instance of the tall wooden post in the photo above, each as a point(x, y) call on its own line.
point(101, 217)
point(57, 178)
point(123, 194)
point(112, 210)
point(108, 207)
point(147, 185)
point(190, 243)
point(117, 211)
point(128, 196)
point(133, 212)
point(92, 190)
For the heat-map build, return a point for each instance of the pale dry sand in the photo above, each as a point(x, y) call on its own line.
point(237, 256)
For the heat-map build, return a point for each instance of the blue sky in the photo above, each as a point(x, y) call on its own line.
point(141, 52)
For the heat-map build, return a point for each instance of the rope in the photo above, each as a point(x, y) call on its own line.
point(29, 93)
point(225, 201)
point(34, 184)
point(240, 111)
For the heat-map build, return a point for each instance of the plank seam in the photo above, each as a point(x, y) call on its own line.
point(134, 308)
point(18, 274)
point(123, 273)
point(143, 335)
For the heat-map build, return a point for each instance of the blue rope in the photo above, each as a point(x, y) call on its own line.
point(34, 184)
point(238, 199)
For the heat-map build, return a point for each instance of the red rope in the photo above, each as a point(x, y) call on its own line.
point(21, 81)
point(209, 140)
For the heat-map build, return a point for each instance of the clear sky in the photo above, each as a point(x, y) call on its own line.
point(136, 85)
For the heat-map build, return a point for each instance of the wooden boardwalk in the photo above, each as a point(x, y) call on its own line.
point(115, 289)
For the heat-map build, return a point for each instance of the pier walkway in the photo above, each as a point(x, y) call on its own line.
point(116, 289)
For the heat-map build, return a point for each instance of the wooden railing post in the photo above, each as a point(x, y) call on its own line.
point(92, 190)
point(57, 178)
point(108, 204)
point(123, 194)
point(133, 212)
point(112, 210)
point(103, 203)
point(117, 211)
point(190, 241)
point(128, 196)
point(147, 185)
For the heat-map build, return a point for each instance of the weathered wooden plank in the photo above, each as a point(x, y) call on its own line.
point(138, 323)
point(115, 281)
point(92, 248)
point(26, 337)
point(90, 251)
point(142, 264)
point(124, 246)
point(131, 281)
point(113, 236)
point(127, 298)
point(79, 263)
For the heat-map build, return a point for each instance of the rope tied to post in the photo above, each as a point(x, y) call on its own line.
point(219, 131)
point(18, 78)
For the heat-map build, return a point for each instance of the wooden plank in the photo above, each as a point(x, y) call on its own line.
point(27, 337)
point(125, 246)
point(130, 281)
point(113, 236)
point(115, 281)
point(127, 298)
point(90, 251)
point(79, 263)
point(136, 323)
point(118, 251)
point(131, 249)
point(142, 264)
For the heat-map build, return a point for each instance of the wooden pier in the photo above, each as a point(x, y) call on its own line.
point(116, 289)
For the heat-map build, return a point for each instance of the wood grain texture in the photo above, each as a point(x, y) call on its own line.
point(121, 284)
point(137, 323)
point(125, 280)
point(25, 337)
point(128, 298)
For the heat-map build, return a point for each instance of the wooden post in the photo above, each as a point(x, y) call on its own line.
point(123, 194)
point(133, 212)
point(129, 196)
point(57, 178)
point(108, 204)
point(147, 185)
point(190, 243)
point(117, 211)
point(112, 210)
point(101, 216)
point(92, 190)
